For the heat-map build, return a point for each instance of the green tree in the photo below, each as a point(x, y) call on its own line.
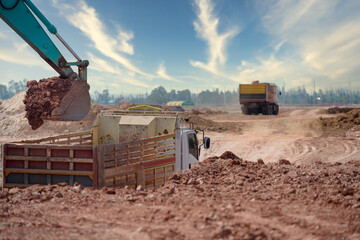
point(184, 95)
point(158, 96)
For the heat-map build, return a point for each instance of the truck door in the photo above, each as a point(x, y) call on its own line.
point(191, 155)
point(187, 149)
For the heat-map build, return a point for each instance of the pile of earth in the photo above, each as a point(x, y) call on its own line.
point(201, 123)
point(342, 123)
point(208, 111)
point(14, 125)
point(336, 110)
point(220, 198)
point(44, 96)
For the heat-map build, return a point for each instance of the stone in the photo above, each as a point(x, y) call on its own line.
point(191, 181)
point(260, 161)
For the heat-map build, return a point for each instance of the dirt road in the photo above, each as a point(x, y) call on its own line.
point(295, 135)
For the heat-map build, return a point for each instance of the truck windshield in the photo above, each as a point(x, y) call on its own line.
point(193, 145)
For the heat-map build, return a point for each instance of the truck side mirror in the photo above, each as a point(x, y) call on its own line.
point(206, 142)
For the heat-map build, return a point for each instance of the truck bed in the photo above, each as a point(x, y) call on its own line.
point(263, 92)
point(252, 93)
point(65, 158)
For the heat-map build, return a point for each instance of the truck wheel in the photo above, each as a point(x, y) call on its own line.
point(271, 109)
point(276, 110)
point(265, 109)
point(245, 110)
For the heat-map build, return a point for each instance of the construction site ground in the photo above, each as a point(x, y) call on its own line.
point(291, 176)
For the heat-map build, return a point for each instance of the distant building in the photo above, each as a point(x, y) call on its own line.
point(180, 103)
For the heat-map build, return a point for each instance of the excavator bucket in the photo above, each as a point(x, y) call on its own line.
point(75, 105)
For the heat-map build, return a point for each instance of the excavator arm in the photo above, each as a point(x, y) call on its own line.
point(19, 15)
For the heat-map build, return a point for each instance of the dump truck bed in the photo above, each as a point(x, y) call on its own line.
point(262, 92)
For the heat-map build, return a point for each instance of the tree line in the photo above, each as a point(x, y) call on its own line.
point(297, 95)
point(329, 96)
point(159, 95)
point(7, 91)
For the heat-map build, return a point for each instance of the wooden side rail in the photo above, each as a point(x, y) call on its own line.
point(27, 164)
point(80, 138)
point(146, 162)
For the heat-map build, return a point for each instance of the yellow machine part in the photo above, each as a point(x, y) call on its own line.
point(252, 88)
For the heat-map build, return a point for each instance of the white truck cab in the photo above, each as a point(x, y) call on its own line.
point(188, 148)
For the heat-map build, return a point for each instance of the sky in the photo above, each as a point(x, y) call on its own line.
point(134, 46)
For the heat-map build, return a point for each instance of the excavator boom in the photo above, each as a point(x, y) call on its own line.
point(19, 15)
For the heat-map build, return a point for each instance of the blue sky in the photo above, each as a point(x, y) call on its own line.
point(136, 45)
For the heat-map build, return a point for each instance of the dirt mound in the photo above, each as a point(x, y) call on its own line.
point(44, 96)
point(201, 123)
point(219, 199)
point(342, 123)
point(229, 155)
point(14, 126)
point(207, 111)
point(336, 110)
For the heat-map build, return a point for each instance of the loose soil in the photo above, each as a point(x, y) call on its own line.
point(202, 123)
point(296, 134)
point(15, 127)
point(301, 182)
point(342, 123)
point(216, 199)
point(44, 96)
point(335, 110)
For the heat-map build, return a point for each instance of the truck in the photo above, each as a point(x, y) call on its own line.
point(130, 147)
point(258, 98)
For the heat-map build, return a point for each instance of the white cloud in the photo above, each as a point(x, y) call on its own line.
point(112, 75)
point(335, 54)
point(321, 41)
point(124, 45)
point(206, 27)
point(22, 54)
point(87, 20)
point(324, 35)
point(162, 73)
point(113, 68)
point(101, 65)
point(271, 70)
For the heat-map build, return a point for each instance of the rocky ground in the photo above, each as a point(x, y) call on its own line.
point(220, 198)
point(305, 186)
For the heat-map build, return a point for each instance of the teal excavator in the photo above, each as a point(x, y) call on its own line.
point(19, 15)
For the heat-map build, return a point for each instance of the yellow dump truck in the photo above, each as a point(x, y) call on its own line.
point(258, 98)
point(140, 146)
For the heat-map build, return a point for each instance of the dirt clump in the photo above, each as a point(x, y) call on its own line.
point(208, 111)
point(342, 122)
point(284, 162)
point(44, 96)
point(260, 161)
point(213, 200)
point(229, 155)
point(336, 110)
